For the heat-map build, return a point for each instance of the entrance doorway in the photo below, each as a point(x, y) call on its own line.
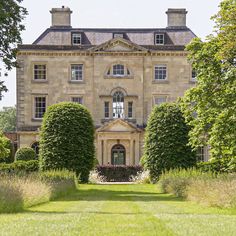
point(118, 155)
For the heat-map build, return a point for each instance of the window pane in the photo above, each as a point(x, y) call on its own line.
point(160, 100)
point(77, 72)
point(159, 38)
point(118, 105)
point(130, 109)
point(39, 72)
point(118, 69)
point(160, 72)
point(76, 38)
point(77, 100)
point(40, 106)
point(106, 109)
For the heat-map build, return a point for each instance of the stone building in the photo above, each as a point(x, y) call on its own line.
point(118, 74)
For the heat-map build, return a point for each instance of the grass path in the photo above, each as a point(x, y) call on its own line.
point(119, 210)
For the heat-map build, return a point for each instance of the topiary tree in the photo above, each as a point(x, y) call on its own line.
point(67, 139)
point(25, 154)
point(4, 148)
point(166, 141)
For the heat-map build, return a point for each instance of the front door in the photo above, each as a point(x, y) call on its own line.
point(118, 155)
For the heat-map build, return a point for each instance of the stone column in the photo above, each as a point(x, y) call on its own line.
point(136, 151)
point(105, 157)
point(99, 151)
point(130, 160)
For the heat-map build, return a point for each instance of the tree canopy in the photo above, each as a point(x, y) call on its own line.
point(210, 107)
point(8, 119)
point(11, 26)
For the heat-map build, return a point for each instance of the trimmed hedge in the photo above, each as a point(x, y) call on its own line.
point(67, 139)
point(118, 173)
point(20, 166)
point(25, 154)
point(166, 141)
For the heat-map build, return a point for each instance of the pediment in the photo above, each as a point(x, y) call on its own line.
point(118, 45)
point(118, 125)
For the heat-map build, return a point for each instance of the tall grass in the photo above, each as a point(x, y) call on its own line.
point(18, 192)
point(205, 188)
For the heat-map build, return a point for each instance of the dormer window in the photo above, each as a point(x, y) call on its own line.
point(76, 39)
point(118, 35)
point(159, 39)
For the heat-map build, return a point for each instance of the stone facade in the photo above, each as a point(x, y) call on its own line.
point(98, 52)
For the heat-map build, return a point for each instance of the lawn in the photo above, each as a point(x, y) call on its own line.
point(119, 210)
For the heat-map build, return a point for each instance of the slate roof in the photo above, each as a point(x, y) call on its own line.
point(59, 38)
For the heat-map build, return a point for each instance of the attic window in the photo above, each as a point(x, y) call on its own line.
point(118, 35)
point(159, 39)
point(76, 38)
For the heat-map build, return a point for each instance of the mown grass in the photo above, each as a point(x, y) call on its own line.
point(120, 210)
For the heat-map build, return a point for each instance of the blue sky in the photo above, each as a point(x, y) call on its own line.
point(111, 13)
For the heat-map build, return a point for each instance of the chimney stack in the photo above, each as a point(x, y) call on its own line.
point(61, 17)
point(176, 17)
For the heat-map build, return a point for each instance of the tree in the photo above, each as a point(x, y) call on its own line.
point(4, 149)
point(25, 154)
point(11, 17)
point(166, 141)
point(8, 119)
point(210, 107)
point(67, 139)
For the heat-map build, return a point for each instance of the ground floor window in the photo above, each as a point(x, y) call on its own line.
point(118, 155)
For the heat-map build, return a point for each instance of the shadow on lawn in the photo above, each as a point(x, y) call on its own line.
point(111, 195)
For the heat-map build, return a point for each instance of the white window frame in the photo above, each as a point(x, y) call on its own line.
point(76, 38)
point(158, 39)
point(35, 107)
point(80, 70)
point(160, 67)
point(42, 70)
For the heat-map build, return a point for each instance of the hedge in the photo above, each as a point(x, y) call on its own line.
point(25, 154)
point(166, 141)
point(118, 173)
point(67, 139)
point(20, 166)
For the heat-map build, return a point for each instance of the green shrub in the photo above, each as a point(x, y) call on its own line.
point(166, 141)
point(4, 148)
point(25, 154)
point(218, 165)
point(67, 139)
point(20, 166)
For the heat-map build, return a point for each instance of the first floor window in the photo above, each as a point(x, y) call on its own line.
point(160, 72)
point(76, 39)
point(203, 154)
point(159, 100)
point(39, 72)
point(77, 72)
point(106, 109)
point(130, 109)
point(77, 100)
point(39, 106)
point(118, 35)
point(159, 39)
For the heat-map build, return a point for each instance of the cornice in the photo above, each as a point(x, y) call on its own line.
point(101, 53)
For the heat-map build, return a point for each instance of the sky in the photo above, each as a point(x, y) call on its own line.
point(111, 14)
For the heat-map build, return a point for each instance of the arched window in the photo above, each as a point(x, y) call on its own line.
point(118, 105)
point(118, 70)
point(118, 155)
point(35, 146)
